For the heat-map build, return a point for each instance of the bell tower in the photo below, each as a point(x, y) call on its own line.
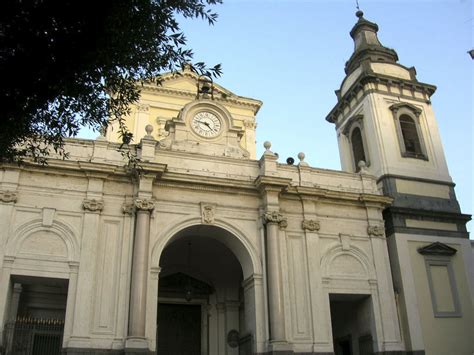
point(386, 125)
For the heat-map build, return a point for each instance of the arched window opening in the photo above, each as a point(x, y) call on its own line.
point(357, 147)
point(410, 136)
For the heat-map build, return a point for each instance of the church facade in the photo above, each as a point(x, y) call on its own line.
point(202, 248)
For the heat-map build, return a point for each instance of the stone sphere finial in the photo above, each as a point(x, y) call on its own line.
point(359, 14)
point(301, 157)
point(267, 145)
point(148, 129)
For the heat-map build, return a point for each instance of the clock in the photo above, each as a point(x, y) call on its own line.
point(206, 124)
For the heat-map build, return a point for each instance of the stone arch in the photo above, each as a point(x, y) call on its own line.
point(351, 255)
point(408, 126)
point(60, 230)
point(229, 235)
point(246, 255)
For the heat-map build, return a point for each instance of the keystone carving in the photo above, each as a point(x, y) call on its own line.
point(275, 217)
point(93, 205)
point(310, 225)
point(376, 231)
point(8, 196)
point(207, 213)
point(145, 204)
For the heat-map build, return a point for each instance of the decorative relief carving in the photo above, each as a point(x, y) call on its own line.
point(250, 124)
point(207, 213)
point(143, 107)
point(376, 231)
point(275, 217)
point(8, 196)
point(128, 208)
point(93, 205)
point(310, 225)
point(145, 204)
point(345, 241)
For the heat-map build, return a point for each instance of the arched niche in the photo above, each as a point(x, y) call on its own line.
point(36, 241)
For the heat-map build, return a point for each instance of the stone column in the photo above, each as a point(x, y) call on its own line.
point(274, 221)
point(140, 268)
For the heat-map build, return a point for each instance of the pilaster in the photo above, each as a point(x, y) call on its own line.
point(270, 187)
point(319, 301)
point(92, 205)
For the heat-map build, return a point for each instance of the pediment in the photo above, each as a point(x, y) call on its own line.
point(406, 105)
point(437, 248)
point(187, 81)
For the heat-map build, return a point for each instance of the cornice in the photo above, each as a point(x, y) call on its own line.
point(366, 78)
point(89, 168)
point(412, 178)
point(428, 213)
point(275, 183)
point(153, 168)
point(319, 193)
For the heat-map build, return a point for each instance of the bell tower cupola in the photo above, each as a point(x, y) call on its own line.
point(386, 127)
point(367, 45)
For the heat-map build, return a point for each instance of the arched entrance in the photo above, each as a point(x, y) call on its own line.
point(206, 294)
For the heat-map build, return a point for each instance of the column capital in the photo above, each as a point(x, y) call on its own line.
point(128, 208)
point(144, 204)
point(275, 217)
point(310, 225)
point(93, 205)
point(8, 196)
point(376, 231)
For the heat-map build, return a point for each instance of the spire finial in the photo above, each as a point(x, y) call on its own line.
point(359, 12)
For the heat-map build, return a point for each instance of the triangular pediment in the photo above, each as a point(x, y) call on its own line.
point(187, 81)
point(437, 248)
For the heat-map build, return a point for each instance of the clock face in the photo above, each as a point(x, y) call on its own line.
point(206, 124)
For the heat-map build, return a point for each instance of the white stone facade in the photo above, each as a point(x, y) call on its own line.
point(78, 220)
point(202, 249)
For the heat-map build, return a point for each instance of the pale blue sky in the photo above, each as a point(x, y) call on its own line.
point(291, 55)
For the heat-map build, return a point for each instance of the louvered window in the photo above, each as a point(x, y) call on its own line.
point(410, 136)
point(357, 147)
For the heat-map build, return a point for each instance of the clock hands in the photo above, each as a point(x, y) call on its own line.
point(204, 122)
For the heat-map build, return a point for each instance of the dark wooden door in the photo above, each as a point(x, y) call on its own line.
point(179, 329)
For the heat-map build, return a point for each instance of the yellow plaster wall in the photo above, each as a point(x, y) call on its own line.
point(163, 106)
point(451, 335)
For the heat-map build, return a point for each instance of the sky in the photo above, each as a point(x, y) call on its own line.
point(291, 56)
